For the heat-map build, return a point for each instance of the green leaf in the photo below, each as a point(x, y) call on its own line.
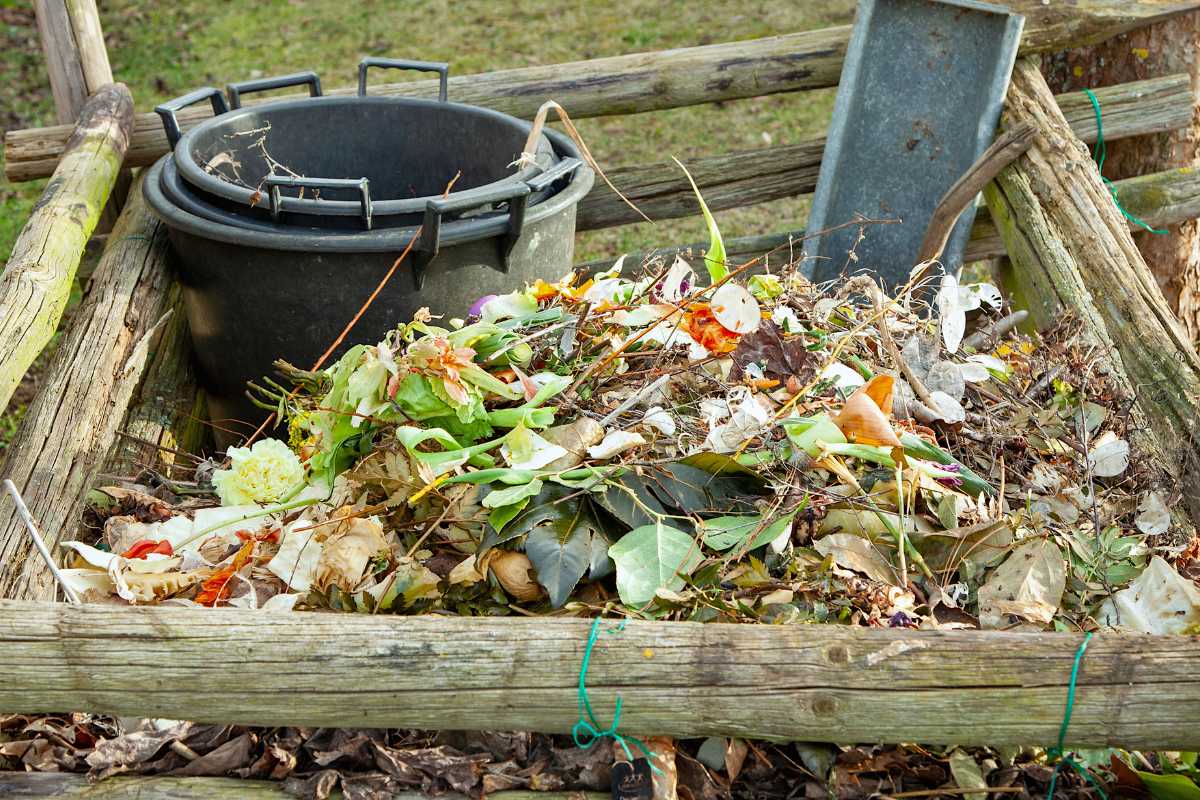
point(622, 498)
point(1170, 787)
point(808, 434)
point(505, 514)
point(417, 400)
point(726, 533)
point(650, 558)
point(714, 259)
point(916, 446)
point(513, 494)
point(559, 563)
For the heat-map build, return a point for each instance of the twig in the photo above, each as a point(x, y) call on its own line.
point(31, 526)
point(633, 400)
point(1006, 149)
point(996, 329)
point(956, 790)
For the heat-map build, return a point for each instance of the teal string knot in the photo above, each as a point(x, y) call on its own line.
point(1059, 750)
point(586, 731)
point(1099, 154)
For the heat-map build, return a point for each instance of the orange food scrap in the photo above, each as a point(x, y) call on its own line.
point(217, 588)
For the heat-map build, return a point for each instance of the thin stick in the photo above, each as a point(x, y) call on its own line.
point(633, 400)
point(1007, 148)
point(956, 790)
point(31, 526)
point(349, 326)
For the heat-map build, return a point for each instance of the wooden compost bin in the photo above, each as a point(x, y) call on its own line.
point(105, 408)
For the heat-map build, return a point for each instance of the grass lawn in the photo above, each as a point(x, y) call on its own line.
point(164, 49)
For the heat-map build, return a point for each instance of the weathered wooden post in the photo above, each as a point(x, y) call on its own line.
point(1071, 249)
point(92, 380)
point(37, 281)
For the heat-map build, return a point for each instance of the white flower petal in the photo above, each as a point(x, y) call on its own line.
point(1109, 457)
point(948, 409)
point(658, 418)
point(952, 315)
point(842, 376)
point(615, 442)
point(735, 308)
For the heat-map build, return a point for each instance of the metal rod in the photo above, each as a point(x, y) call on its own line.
point(34, 534)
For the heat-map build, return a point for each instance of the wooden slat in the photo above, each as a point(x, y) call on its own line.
point(36, 283)
point(67, 83)
point(641, 82)
point(91, 381)
point(800, 682)
point(733, 180)
point(89, 38)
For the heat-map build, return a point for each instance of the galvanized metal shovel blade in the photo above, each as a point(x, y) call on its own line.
point(918, 101)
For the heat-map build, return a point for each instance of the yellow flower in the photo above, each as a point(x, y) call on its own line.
point(263, 473)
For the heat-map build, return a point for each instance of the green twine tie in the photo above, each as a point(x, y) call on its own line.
point(587, 730)
point(1057, 751)
point(1098, 154)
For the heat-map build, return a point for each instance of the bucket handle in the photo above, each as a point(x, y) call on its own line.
point(236, 90)
point(429, 242)
point(562, 169)
point(440, 67)
point(361, 184)
point(168, 110)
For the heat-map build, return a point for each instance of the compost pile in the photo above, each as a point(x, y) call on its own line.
point(712, 447)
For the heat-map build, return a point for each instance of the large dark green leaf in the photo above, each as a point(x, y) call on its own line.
point(619, 501)
point(559, 564)
point(707, 483)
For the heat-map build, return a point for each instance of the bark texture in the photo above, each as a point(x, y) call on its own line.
point(1167, 47)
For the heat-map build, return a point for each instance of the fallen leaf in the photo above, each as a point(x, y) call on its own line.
point(1153, 517)
point(1159, 601)
point(1109, 456)
point(347, 554)
point(967, 773)
point(1029, 584)
point(856, 553)
point(650, 558)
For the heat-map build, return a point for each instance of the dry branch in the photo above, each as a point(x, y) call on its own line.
point(641, 82)
point(92, 379)
point(811, 682)
point(37, 281)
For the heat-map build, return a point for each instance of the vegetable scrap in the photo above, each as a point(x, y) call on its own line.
point(734, 445)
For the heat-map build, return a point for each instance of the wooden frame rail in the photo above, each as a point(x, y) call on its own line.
point(800, 682)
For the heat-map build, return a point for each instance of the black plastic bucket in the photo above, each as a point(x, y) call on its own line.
point(253, 296)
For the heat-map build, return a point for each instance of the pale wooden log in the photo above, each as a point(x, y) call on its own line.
point(36, 283)
point(1163, 198)
point(166, 787)
point(639, 82)
point(67, 83)
point(92, 379)
point(89, 39)
point(733, 180)
point(1071, 250)
point(167, 412)
point(811, 682)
